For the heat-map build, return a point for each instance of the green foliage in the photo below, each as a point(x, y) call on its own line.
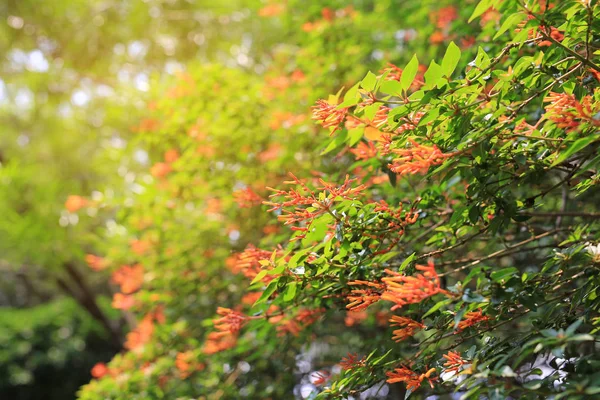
point(438, 235)
point(43, 345)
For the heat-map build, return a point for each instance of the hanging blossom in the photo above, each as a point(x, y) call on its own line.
point(364, 151)
point(351, 361)
point(246, 198)
point(411, 378)
point(249, 262)
point(454, 362)
point(360, 299)
point(417, 159)
point(472, 318)
point(329, 115)
point(227, 329)
point(567, 112)
point(296, 202)
point(403, 290)
point(303, 319)
point(408, 327)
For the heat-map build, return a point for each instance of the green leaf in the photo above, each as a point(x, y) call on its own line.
point(406, 262)
point(268, 292)
point(391, 87)
point(500, 276)
point(259, 276)
point(512, 20)
point(290, 291)
point(450, 60)
point(409, 73)
point(433, 73)
point(369, 81)
point(579, 144)
point(437, 306)
point(481, 8)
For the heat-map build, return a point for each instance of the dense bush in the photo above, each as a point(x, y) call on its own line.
point(429, 227)
point(455, 248)
point(48, 351)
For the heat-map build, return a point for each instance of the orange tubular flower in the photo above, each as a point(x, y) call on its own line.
point(472, 318)
point(99, 370)
point(404, 290)
point(246, 198)
point(231, 321)
point(129, 278)
point(412, 379)
point(186, 364)
point(408, 327)
point(567, 112)
point(300, 321)
point(364, 151)
point(96, 263)
point(123, 301)
point(329, 115)
point(360, 299)
point(75, 203)
point(417, 159)
point(248, 262)
point(351, 361)
point(454, 362)
point(295, 203)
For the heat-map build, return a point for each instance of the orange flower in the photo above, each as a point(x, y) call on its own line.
point(96, 263)
point(122, 301)
point(417, 159)
point(364, 151)
point(329, 115)
point(303, 319)
point(246, 198)
point(567, 112)
point(360, 299)
point(171, 156)
point(355, 317)
point(140, 247)
point(99, 370)
point(408, 327)
point(160, 170)
point(351, 361)
point(75, 203)
point(454, 362)
point(444, 16)
point(141, 334)
point(248, 262)
point(231, 321)
point(129, 278)
point(404, 290)
point(471, 318)
point(412, 379)
point(271, 10)
point(185, 363)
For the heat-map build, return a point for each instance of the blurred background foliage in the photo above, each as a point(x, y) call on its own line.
point(93, 94)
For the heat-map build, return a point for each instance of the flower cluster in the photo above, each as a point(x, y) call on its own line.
point(329, 115)
point(351, 361)
point(249, 262)
point(129, 278)
point(567, 112)
point(417, 159)
point(246, 198)
point(454, 362)
point(403, 290)
point(408, 327)
point(304, 205)
point(303, 319)
point(227, 329)
point(360, 299)
point(411, 378)
point(472, 318)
